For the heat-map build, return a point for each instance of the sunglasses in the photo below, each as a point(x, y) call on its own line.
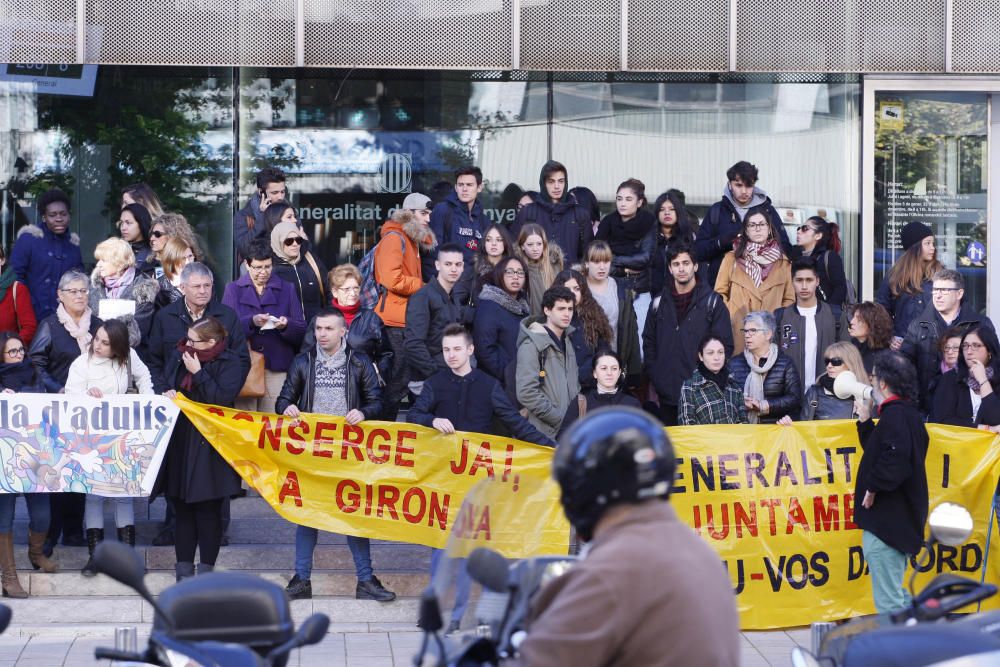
point(157, 234)
point(835, 361)
point(806, 228)
point(293, 240)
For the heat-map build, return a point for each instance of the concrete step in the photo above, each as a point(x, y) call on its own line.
point(73, 584)
point(132, 610)
point(386, 557)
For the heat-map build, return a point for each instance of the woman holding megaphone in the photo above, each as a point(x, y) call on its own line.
point(833, 394)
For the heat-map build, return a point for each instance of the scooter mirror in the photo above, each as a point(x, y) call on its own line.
point(951, 524)
point(430, 612)
point(313, 629)
point(122, 563)
point(802, 658)
point(5, 616)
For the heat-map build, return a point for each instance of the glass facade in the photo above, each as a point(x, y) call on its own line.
point(354, 142)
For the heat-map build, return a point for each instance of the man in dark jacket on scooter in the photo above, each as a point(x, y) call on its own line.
point(616, 467)
point(890, 493)
point(332, 379)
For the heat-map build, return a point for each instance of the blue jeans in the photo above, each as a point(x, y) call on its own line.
point(305, 544)
point(463, 582)
point(39, 511)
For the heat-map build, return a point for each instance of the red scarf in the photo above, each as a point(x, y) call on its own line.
point(758, 259)
point(204, 356)
point(348, 311)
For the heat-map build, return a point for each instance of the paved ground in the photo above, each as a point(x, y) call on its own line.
point(378, 645)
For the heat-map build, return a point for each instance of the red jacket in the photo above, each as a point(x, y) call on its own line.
point(20, 316)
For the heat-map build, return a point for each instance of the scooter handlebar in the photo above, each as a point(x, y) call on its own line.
point(115, 654)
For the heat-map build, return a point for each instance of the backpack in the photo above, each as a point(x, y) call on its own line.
point(851, 297)
point(371, 290)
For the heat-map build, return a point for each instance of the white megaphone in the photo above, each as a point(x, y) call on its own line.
point(847, 385)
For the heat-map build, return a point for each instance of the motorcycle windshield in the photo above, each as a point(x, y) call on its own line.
point(514, 522)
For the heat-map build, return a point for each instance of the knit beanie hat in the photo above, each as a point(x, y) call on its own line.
point(913, 233)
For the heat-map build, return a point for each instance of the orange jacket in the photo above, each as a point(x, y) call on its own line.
point(397, 269)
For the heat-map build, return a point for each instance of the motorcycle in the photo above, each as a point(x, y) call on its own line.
point(920, 635)
point(220, 619)
point(507, 590)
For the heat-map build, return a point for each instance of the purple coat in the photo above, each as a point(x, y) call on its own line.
point(279, 299)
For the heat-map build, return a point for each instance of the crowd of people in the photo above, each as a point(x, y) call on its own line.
point(515, 330)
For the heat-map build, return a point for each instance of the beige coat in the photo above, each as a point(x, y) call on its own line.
point(742, 296)
point(650, 592)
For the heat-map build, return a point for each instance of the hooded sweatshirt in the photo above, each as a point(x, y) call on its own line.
point(566, 223)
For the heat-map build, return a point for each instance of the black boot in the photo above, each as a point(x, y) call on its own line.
point(299, 589)
point(373, 590)
point(183, 571)
point(127, 535)
point(94, 537)
point(205, 568)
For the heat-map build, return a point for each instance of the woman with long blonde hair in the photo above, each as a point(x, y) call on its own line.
point(542, 261)
point(820, 402)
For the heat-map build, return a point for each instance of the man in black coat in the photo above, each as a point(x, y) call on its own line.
point(724, 220)
point(332, 379)
point(248, 223)
point(171, 324)
point(679, 318)
point(890, 493)
point(429, 311)
point(554, 209)
point(920, 344)
point(463, 398)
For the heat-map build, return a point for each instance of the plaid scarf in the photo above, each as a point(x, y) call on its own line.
point(758, 258)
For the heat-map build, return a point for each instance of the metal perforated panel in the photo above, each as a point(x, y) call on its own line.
point(792, 35)
point(975, 36)
point(678, 35)
point(897, 36)
point(408, 33)
point(38, 31)
point(217, 32)
point(571, 34)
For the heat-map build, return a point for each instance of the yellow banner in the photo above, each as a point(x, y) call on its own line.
point(777, 504)
point(391, 481)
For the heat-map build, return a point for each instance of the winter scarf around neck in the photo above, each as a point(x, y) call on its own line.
point(498, 296)
point(974, 384)
point(349, 312)
point(204, 356)
point(115, 286)
point(17, 376)
point(7, 279)
point(624, 233)
point(719, 379)
point(758, 259)
point(754, 385)
point(81, 331)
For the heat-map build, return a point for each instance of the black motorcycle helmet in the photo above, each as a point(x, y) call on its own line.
point(613, 455)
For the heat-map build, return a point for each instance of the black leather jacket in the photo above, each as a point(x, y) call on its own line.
point(363, 390)
point(818, 404)
point(782, 387)
point(366, 336)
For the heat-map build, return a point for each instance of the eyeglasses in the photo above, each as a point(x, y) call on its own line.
point(752, 332)
point(952, 348)
point(293, 240)
point(261, 269)
point(193, 340)
point(157, 234)
point(833, 361)
point(513, 272)
point(975, 347)
point(806, 228)
point(76, 292)
point(18, 352)
point(349, 289)
point(758, 225)
point(944, 290)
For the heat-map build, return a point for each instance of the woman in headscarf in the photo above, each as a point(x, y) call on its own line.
point(297, 265)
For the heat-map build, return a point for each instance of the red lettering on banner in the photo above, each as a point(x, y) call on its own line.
point(353, 437)
point(295, 435)
point(770, 505)
point(458, 467)
point(348, 496)
point(743, 518)
point(321, 439)
point(849, 512)
point(290, 488)
point(439, 510)
point(404, 449)
point(242, 417)
point(796, 516)
point(484, 524)
point(272, 436)
point(828, 515)
point(409, 514)
point(388, 496)
point(384, 447)
point(484, 459)
point(215, 411)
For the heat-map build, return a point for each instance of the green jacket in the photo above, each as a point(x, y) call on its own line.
point(545, 397)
